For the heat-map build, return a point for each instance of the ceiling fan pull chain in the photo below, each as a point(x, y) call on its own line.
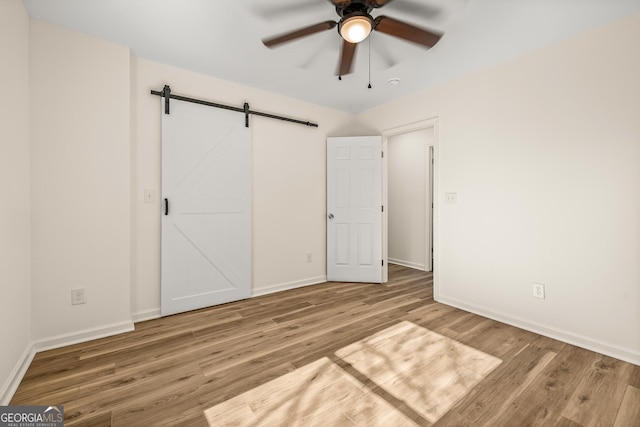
point(369, 61)
point(339, 48)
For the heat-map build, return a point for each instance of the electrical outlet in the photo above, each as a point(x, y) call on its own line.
point(538, 290)
point(78, 296)
point(309, 257)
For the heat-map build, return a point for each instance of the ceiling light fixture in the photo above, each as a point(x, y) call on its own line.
point(356, 27)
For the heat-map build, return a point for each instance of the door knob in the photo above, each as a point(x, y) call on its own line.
point(330, 216)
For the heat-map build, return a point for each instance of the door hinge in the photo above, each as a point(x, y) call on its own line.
point(382, 152)
point(382, 208)
point(383, 263)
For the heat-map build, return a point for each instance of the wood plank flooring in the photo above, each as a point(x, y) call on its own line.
point(177, 370)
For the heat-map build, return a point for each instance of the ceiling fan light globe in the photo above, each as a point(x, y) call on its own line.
point(356, 28)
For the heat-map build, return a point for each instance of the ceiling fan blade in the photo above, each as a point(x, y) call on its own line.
point(296, 34)
point(346, 58)
point(377, 3)
point(406, 31)
point(341, 3)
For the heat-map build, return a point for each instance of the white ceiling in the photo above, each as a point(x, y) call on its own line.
point(222, 39)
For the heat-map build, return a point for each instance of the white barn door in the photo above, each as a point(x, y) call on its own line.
point(206, 218)
point(354, 209)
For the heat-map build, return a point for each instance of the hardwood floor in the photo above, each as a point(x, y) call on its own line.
point(179, 370)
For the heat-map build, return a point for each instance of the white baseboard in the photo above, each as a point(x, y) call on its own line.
point(286, 286)
point(83, 336)
point(625, 354)
point(11, 385)
point(151, 314)
point(141, 316)
point(409, 264)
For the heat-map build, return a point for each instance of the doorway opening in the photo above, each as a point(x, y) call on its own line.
point(409, 189)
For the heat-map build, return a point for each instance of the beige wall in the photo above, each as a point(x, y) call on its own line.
point(15, 215)
point(80, 184)
point(288, 181)
point(544, 153)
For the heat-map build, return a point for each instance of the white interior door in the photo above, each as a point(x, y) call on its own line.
point(206, 220)
point(354, 209)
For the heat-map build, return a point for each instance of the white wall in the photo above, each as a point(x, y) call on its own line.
point(408, 173)
point(288, 181)
point(544, 153)
point(80, 178)
point(15, 215)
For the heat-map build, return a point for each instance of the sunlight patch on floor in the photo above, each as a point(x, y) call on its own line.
point(427, 371)
point(318, 394)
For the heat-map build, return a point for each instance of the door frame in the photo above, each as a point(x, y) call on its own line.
point(432, 123)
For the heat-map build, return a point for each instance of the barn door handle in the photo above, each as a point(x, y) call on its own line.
point(166, 206)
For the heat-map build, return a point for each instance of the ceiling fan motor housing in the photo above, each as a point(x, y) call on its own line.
point(354, 6)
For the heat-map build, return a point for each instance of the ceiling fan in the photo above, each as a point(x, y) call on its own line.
point(355, 25)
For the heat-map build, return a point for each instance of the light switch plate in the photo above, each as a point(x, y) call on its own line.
point(149, 196)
